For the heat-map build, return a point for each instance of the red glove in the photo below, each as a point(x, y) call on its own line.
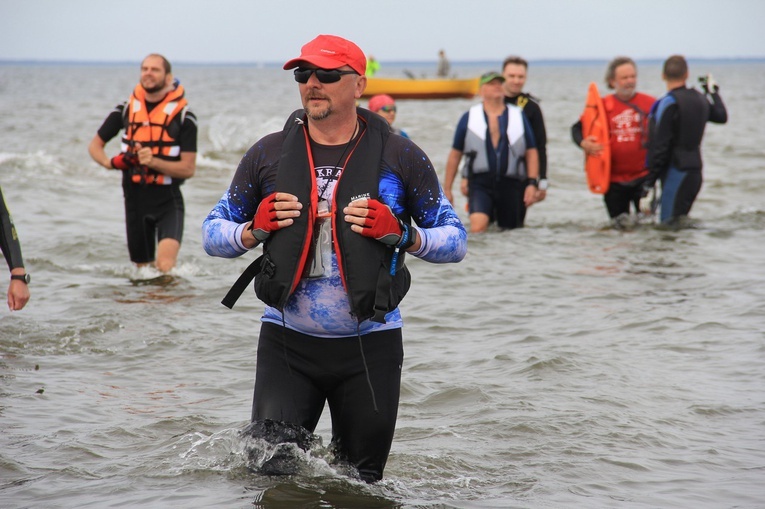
point(124, 161)
point(265, 220)
point(382, 224)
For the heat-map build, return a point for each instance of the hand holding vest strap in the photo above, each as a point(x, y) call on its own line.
point(124, 161)
point(265, 220)
point(382, 224)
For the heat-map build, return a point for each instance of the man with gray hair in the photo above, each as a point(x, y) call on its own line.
point(627, 112)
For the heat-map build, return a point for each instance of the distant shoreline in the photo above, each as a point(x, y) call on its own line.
point(392, 63)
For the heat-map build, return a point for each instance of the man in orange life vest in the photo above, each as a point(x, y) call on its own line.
point(627, 111)
point(158, 154)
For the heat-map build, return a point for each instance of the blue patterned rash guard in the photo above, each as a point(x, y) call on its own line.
point(320, 306)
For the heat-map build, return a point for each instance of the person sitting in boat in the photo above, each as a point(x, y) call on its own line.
point(385, 106)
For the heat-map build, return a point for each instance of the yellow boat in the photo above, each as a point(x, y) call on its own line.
point(422, 88)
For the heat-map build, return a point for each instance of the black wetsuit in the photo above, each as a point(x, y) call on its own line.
point(9, 241)
point(297, 373)
point(152, 212)
point(530, 106)
point(677, 123)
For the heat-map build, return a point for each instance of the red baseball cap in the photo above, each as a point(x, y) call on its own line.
point(331, 52)
point(378, 101)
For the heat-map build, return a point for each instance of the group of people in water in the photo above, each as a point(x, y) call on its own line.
point(337, 200)
point(654, 140)
point(500, 145)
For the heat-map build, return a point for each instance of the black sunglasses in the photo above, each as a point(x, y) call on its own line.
point(323, 75)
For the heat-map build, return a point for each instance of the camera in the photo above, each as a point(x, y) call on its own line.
point(708, 83)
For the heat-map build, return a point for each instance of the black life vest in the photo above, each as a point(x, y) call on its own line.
point(364, 263)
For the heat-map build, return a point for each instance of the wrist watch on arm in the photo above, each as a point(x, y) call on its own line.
point(21, 277)
point(543, 184)
point(532, 182)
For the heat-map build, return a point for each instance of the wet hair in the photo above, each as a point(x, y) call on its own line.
point(515, 60)
point(165, 62)
point(613, 64)
point(675, 68)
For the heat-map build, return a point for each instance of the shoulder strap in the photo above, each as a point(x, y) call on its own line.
point(241, 283)
point(631, 105)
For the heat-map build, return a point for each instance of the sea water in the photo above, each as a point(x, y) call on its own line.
point(566, 364)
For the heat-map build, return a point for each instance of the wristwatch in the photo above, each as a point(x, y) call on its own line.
point(543, 185)
point(532, 182)
point(22, 277)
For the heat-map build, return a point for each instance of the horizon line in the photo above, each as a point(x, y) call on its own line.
point(542, 61)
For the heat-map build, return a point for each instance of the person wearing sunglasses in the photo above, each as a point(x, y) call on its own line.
point(385, 106)
point(337, 202)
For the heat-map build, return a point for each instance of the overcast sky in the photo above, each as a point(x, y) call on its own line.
point(259, 31)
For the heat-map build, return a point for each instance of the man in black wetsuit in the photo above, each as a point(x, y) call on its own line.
point(677, 123)
point(158, 154)
point(336, 201)
point(18, 291)
point(514, 71)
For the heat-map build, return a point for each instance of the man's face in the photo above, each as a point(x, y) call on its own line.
point(625, 81)
point(492, 90)
point(153, 75)
point(515, 79)
point(320, 100)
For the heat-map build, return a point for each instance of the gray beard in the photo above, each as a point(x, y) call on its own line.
point(321, 116)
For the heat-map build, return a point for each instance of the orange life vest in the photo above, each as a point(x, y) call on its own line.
point(152, 129)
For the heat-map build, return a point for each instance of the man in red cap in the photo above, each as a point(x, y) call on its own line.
point(333, 199)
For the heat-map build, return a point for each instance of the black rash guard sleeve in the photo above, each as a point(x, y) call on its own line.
point(533, 112)
point(717, 112)
point(112, 125)
point(9, 240)
point(576, 133)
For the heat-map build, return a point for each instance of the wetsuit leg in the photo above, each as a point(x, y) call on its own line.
point(480, 197)
point(510, 208)
point(617, 200)
point(480, 203)
point(287, 388)
point(170, 213)
point(361, 434)
point(678, 192)
point(140, 226)
point(152, 213)
point(297, 373)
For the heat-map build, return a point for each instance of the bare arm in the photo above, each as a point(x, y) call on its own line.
point(182, 169)
point(452, 165)
point(532, 172)
point(97, 152)
point(532, 163)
